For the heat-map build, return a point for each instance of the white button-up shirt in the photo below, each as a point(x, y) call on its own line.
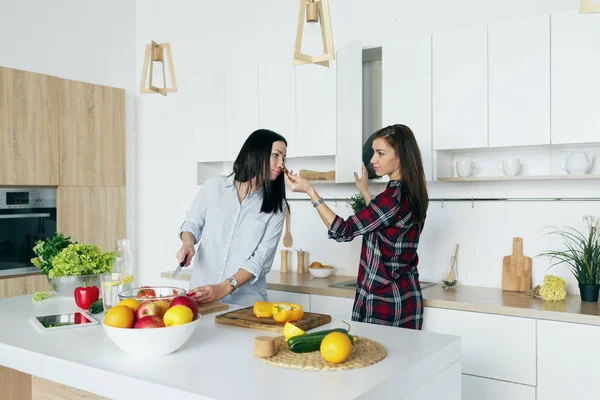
point(232, 236)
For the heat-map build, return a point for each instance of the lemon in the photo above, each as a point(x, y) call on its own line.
point(127, 278)
point(178, 315)
point(110, 283)
point(336, 347)
point(291, 330)
point(131, 303)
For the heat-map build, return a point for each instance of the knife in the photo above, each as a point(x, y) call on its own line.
point(178, 269)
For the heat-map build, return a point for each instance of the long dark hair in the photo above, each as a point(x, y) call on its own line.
point(402, 139)
point(254, 161)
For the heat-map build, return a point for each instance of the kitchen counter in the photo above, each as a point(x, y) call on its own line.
point(217, 362)
point(463, 298)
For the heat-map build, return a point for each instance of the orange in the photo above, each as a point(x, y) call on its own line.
point(178, 315)
point(119, 317)
point(336, 347)
point(163, 306)
point(131, 303)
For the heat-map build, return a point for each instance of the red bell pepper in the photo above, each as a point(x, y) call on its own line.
point(86, 295)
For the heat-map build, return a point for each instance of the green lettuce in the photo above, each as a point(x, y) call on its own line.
point(81, 259)
point(47, 249)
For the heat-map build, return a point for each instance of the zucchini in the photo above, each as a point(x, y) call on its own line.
point(312, 341)
point(96, 307)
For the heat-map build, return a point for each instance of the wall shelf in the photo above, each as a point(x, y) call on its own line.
point(516, 178)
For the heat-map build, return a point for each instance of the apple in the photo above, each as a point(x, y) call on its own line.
point(148, 307)
point(149, 321)
point(187, 301)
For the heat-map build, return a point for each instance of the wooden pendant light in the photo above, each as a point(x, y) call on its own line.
point(315, 11)
point(155, 52)
point(589, 7)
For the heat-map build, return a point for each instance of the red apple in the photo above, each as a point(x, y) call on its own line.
point(149, 321)
point(148, 307)
point(187, 301)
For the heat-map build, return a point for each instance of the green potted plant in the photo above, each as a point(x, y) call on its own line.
point(69, 264)
point(582, 256)
point(357, 202)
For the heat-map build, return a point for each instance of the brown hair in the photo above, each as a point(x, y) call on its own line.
point(402, 139)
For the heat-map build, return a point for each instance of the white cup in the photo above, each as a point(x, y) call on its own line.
point(465, 168)
point(510, 166)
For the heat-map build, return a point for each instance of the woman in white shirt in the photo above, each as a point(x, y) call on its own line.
point(237, 221)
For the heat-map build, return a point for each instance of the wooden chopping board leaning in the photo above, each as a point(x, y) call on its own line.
point(516, 269)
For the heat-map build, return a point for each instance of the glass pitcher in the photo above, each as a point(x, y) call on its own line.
point(124, 252)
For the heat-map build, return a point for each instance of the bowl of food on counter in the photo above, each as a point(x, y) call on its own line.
point(166, 293)
point(149, 328)
point(319, 270)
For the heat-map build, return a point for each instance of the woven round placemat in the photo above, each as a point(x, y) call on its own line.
point(364, 353)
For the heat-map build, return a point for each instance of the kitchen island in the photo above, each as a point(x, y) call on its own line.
point(217, 362)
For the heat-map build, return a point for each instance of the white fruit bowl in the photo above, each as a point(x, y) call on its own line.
point(323, 272)
point(153, 342)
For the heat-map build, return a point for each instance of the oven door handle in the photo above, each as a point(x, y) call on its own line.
point(14, 216)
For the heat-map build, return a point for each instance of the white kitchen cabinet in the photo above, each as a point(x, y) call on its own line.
point(301, 299)
point(406, 89)
point(241, 108)
point(277, 101)
point(476, 388)
point(349, 70)
point(519, 82)
point(316, 110)
point(575, 78)
point(568, 361)
point(337, 307)
point(460, 98)
point(487, 350)
point(208, 113)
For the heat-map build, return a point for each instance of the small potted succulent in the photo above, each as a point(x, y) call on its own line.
point(582, 256)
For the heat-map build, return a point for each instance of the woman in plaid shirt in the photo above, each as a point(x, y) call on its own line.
point(388, 290)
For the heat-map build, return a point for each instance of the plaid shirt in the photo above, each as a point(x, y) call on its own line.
point(388, 290)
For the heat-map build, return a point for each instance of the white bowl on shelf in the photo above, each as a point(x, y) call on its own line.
point(323, 272)
point(152, 342)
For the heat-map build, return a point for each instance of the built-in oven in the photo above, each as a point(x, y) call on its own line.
point(26, 216)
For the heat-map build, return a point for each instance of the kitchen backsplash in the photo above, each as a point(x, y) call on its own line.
point(484, 230)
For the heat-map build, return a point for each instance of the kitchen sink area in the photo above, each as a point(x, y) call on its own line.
point(351, 284)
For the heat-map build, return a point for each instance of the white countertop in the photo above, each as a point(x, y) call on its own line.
point(216, 363)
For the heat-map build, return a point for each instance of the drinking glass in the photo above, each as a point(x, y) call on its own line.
point(111, 285)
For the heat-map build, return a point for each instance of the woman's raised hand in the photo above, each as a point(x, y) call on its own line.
point(297, 183)
point(362, 182)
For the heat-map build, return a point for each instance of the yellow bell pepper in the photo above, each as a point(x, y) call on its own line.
point(286, 312)
point(262, 309)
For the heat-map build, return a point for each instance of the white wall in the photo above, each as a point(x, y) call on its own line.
point(89, 41)
point(207, 36)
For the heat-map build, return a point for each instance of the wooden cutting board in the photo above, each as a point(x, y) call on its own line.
point(209, 308)
point(245, 318)
point(516, 269)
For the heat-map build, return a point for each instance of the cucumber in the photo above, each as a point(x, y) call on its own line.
point(312, 341)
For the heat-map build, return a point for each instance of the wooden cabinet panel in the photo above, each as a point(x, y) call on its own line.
point(22, 285)
point(92, 135)
point(92, 214)
point(43, 389)
point(28, 128)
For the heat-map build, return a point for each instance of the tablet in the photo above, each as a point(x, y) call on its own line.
point(57, 322)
